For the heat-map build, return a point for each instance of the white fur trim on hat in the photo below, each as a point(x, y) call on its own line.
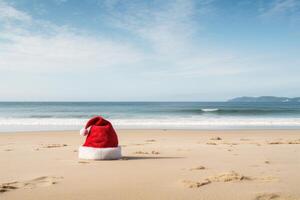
point(92, 153)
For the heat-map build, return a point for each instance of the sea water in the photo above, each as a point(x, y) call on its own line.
point(26, 116)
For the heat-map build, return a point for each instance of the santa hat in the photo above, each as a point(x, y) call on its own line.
point(101, 142)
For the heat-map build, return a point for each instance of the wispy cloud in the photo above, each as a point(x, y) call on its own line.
point(8, 12)
point(42, 45)
point(280, 7)
point(63, 51)
point(172, 33)
point(166, 28)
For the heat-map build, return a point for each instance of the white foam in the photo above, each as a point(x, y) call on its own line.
point(12, 124)
point(42, 121)
point(209, 109)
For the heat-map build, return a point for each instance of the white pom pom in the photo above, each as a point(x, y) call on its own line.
point(83, 132)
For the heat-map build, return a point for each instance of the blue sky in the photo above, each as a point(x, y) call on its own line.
point(191, 50)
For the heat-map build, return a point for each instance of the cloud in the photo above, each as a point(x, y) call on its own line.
point(166, 28)
point(172, 32)
point(63, 51)
point(280, 7)
point(8, 12)
point(36, 45)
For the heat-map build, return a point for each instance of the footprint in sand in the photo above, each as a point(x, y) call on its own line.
point(285, 142)
point(234, 176)
point(216, 138)
point(244, 139)
point(224, 177)
point(83, 162)
point(267, 196)
point(152, 140)
point(294, 142)
point(196, 184)
point(231, 176)
point(8, 149)
point(230, 143)
point(54, 145)
point(139, 144)
point(228, 177)
point(145, 152)
point(197, 168)
point(155, 152)
point(141, 152)
point(276, 142)
point(211, 143)
point(42, 181)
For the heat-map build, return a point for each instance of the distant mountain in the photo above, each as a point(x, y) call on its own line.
point(265, 99)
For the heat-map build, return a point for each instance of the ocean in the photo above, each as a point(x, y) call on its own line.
point(28, 116)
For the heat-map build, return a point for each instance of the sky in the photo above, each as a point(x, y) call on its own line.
point(166, 50)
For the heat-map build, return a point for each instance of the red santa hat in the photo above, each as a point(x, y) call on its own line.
point(101, 142)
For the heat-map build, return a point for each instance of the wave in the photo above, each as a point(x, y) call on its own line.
point(41, 116)
point(196, 123)
point(209, 109)
point(240, 111)
point(256, 111)
point(67, 116)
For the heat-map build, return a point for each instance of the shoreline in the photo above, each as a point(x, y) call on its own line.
point(161, 129)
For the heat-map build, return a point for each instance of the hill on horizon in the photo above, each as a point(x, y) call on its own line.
point(264, 99)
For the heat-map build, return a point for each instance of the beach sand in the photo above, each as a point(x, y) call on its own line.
point(156, 164)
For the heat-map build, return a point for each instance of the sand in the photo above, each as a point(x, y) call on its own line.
point(157, 164)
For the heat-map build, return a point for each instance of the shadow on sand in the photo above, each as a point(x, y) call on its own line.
point(147, 158)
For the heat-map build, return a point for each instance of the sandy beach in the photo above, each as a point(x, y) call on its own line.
point(156, 164)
